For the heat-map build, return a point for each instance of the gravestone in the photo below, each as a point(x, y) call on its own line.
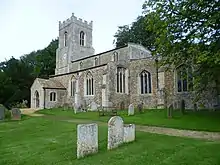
point(115, 132)
point(182, 107)
point(129, 133)
point(87, 139)
point(93, 106)
point(2, 113)
point(131, 110)
point(170, 111)
point(15, 114)
point(195, 107)
point(77, 108)
point(140, 107)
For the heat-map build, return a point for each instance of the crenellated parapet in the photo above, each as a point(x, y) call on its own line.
point(74, 19)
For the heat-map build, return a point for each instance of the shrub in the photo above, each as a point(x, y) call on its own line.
point(7, 114)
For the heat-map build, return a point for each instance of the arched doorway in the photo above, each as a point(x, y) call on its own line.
point(37, 100)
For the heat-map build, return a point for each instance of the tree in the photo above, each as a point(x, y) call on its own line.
point(17, 75)
point(136, 33)
point(187, 31)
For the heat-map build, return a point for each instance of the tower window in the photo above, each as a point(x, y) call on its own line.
point(96, 61)
point(82, 38)
point(65, 39)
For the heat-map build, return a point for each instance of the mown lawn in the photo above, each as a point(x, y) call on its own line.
point(41, 141)
point(202, 120)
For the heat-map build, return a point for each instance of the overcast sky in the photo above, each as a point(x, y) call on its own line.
point(28, 25)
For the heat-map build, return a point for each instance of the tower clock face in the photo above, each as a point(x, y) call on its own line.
point(64, 56)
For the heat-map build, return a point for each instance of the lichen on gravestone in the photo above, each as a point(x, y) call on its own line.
point(115, 132)
point(87, 139)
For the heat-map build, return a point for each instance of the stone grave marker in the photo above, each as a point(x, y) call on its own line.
point(170, 111)
point(195, 107)
point(2, 113)
point(15, 114)
point(87, 139)
point(115, 132)
point(131, 110)
point(93, 106)
point(182, 107)
point(140, 107)
point(129, 133)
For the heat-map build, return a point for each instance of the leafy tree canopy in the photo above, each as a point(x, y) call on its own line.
point(187, 31)
point(136, 33)
point(17, 75)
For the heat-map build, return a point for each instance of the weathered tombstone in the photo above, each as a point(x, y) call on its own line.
point(140, 107)
point(170, 111)
point(15, 114)
point(182, 108)
point(115, 132)
point(131, 110)
point(93, 106)
point(2, 113)
point(129, 133)
point(195, 107)
point(87, 139)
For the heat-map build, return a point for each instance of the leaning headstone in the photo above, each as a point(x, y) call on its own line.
point(131, 110)
point(87, 139)
point(2, 113)
point(15, 114)
point(129, 133)
point(115, 132)
point(170, 111)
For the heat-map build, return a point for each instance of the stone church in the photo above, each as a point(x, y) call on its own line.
point(115, 78)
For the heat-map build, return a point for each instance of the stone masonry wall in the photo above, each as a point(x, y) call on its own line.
point(60, 98)
point(135, 68)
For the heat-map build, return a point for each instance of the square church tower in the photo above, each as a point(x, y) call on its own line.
point(75, 43)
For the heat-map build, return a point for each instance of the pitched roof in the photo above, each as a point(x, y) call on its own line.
point(49, 83)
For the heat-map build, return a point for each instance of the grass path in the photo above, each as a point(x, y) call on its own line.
point(150, 129)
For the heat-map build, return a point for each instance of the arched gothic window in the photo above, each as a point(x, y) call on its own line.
point(96, 61)
point(52, 96)
point(120, 80)
point(184, 78)
point(82, 38)
point(89, 84)
point(65, 39)
point(115, 56)
point(145, 82)
point(73, 86)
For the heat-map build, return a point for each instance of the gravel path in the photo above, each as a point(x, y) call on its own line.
point(151, 129)
point(179, 132)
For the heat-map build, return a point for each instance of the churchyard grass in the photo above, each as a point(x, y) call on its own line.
point(37, 140)
point(201, 120)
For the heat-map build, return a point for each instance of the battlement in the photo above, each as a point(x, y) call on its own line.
point(74, 19)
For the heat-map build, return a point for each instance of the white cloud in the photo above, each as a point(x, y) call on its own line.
point(30, 25)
